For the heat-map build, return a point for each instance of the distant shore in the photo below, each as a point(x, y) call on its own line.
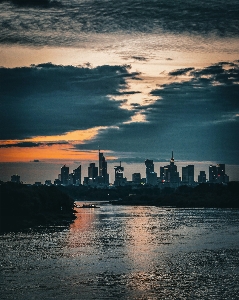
point(201, 196)
point(25, 206)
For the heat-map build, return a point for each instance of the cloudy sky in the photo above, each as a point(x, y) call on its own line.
point(137, 78)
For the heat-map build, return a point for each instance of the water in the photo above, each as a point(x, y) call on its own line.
point(118, 252)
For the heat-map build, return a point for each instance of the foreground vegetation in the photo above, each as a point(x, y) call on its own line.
point(23, 206)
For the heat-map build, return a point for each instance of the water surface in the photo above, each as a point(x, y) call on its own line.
point(126, 253)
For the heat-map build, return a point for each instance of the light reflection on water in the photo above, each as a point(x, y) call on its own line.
point(126, 253)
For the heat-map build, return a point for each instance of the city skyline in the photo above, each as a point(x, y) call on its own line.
point(97, 175)
point(139, 78)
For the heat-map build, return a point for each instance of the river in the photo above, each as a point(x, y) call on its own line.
point(125, 252)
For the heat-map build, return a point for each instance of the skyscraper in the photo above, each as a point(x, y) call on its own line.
point(136, 178)
point(77, 176)
point(64, 175)
point(151, 176)
point(212, 173)
point(202, 177)
point(169, 173)
point(119, 175)
point(217, 174)
point(92, 171)
point(103, 169)
point(188, 174)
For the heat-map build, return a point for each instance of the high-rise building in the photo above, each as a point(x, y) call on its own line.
point(136, 178)
point(92, 171)
point(104, 176)
point(220, 170)
point(202, 177)
point(77, 176)
point(169, 173)
point(217, 174)
point(119, 175)
point(212, 173)
point(65, 175)
point(151, 176)
point(149, 166)
point(188, 175)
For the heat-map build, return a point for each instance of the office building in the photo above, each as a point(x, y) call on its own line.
point(77, 176)
point(202, 177)
point(169, 173)
point(151, 176)
point(136, 178)
point(103, 175)
point(119, 176)
point(92, 173)
point(188, 175)
point(65, 175)
point(217, 174)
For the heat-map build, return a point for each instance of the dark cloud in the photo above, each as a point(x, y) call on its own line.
point(126, 93)
point(21, 145)
point(66, 22)
point(31, 144)
point(140, 58)
point(180, 72)
point(47, 99)
point(198, 119)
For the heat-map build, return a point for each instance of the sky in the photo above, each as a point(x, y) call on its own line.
point(136, 78)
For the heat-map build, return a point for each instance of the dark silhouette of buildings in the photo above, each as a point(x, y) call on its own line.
point(151, 176)
point(65, 178)
point(92, 171)
point(217, 174)
point(136, 178)
point(202, 177)
point(95, 179)
point(92, 174)
point(119, 176)
point(57, 182)
point(65, 175)
point(76, 176)
point(103, 175)
point(188, 175)
point(169, 173)
point(15, 178)
point(169, 176)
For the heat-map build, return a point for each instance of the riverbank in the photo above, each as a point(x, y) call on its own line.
point(201, 196)
point(25, 206)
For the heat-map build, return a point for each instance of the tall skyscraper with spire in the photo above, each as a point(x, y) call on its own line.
point(169, 173)
point(103, 168)
point(172, 159)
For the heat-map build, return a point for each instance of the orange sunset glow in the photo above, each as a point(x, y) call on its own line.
point(59, 152)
